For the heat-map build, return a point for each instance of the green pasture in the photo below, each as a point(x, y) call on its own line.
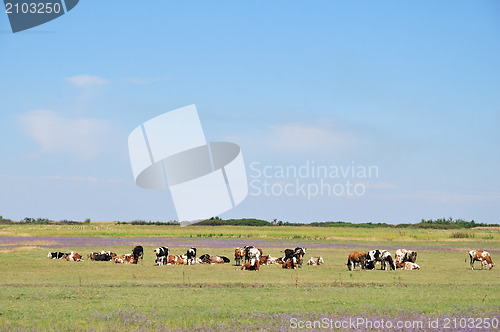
point(306, 233)
point(40, 293)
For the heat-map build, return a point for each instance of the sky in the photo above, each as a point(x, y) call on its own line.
point(408, 90)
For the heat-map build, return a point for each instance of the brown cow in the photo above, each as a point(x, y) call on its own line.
point(252, 265)
point(176, 260)
point(74, 257)
point(239, 254)
point(356, 257)
point(290, 263)
point(481, 256)
point(124, 259)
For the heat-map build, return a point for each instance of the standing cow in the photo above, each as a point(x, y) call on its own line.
point(137, 252)
point(382, 256)
point(481, 256)
point(298, 253)
point(356, 258)
point(239, 254)
point(191, 255)
point(403, 255)
point(161, 252)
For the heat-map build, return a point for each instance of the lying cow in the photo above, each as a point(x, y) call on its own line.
point(356, 258)
point(268, 260)
point(125, 259)
point(403, 255)
point(104, 256)
point(290, 263)
point(176, 260)
point(382, 256)
point(74, 257)
point(252, 265)
point(239, 254)
point(315, 261)
point(56, 255)
point(409, 266)
point(207, 259)
point(481, 256)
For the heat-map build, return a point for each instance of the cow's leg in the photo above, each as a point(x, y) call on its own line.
point(472, 263)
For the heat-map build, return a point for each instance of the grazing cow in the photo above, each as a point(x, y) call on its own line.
point(191, 255)
point(382, 256)
point(481, 256)
point(298, 253)
point(74, 257)
point(315, 261)
point(239, 254)
point(56, 255)
point(252, 265)
point(290, 263)
point(125, 259)
point(356, 258)
point(137, 252)
point(410, 266)
point(403, 255)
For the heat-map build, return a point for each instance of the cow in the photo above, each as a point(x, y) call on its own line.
point(101, 256)
point(290, 263)
point(252, 265)
point(267, 260)
point(382, 256)
point(252, 252)
point(74, 257)
point(356, 258)
point(161, 252)
point(175, 260)
point(298, 253)
point(191, 255)
point(315, 261)
point(137, 252)
point(125, 259)
point(481, 256)
point(239, 254)
point(410, 266)
point(56, 255)
point(403, 255)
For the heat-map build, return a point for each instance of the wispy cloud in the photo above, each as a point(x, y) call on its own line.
point(146, 80)
point(86, 80)
point(81, 137)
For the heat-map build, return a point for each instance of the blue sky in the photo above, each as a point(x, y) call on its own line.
point(412, 88)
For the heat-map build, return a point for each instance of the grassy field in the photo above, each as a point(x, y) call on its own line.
point(37, 293)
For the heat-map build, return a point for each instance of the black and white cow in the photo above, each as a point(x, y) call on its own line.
point(191, 255)
point(382, 256)
point(56, 255)
point(137, 252)
point(298, 253)
point(161, 252)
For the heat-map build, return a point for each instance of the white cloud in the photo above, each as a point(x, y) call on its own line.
point(81, 138)
point(86, 80)
point(146, 80)
point(300, 136)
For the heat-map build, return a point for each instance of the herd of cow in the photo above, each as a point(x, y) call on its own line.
point(251, 258)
